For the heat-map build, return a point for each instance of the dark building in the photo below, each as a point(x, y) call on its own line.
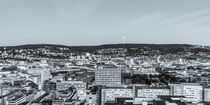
point(49, 86)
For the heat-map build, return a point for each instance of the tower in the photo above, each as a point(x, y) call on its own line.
point(124, 39)
point(4, 54)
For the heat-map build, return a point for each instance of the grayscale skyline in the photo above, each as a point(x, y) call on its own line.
point(94, 22)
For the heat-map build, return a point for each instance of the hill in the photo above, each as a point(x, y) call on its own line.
point(87, 48)
point(131, 48)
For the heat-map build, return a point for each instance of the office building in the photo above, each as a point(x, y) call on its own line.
point(39, 75)
point(110, 77)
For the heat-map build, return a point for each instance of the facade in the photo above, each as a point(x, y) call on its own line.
point(207, 94)
point(140, 94)
point(110, 77)
point(35, 78)
point(192, 91)
point(144, 93)
point(91, 99)
point(110, 94)
point(152, 93)
point(39, 75)
point(147, 71)
point(49, 86)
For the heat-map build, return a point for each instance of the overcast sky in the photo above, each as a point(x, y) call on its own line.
point(94, 22)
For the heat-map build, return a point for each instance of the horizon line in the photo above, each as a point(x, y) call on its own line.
point(104, 44)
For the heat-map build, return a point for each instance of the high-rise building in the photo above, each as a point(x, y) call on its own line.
point(40, 74)
point(110, 77)
point(207, 94)
point(192, 91)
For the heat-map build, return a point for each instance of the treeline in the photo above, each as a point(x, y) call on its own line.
point(149, 79)
point(132, 49)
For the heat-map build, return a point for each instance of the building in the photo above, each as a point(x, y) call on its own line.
point(147, 71)
point(171, 100)
point(206, 94)
point(49, 86)
point(20, 98)
point(79, 85)
point(66, 94)
point(110, 77)
point(143, 93)
point(35, 78)
point(3, 98)
point(39, 75)
point(192, 91)
point(91, 99)
point(110, 94)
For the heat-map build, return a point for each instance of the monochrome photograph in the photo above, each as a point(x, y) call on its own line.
point(104, 52)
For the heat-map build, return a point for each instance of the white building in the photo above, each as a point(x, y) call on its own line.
point(192, 91)
point(110, 94)
point(144, 93)
point(39, 75)
point(147, 71)
point(91, 99)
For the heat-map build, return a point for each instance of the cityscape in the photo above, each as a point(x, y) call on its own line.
point(104, 52)
point(115, 74)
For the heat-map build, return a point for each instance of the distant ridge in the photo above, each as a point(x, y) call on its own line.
point(169, 47)
point(131, 49)
point(34, 46)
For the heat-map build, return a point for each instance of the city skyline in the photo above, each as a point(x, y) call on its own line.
point(104, 52)
point(76, 23)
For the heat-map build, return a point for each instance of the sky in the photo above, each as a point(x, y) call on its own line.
point(95, 22)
